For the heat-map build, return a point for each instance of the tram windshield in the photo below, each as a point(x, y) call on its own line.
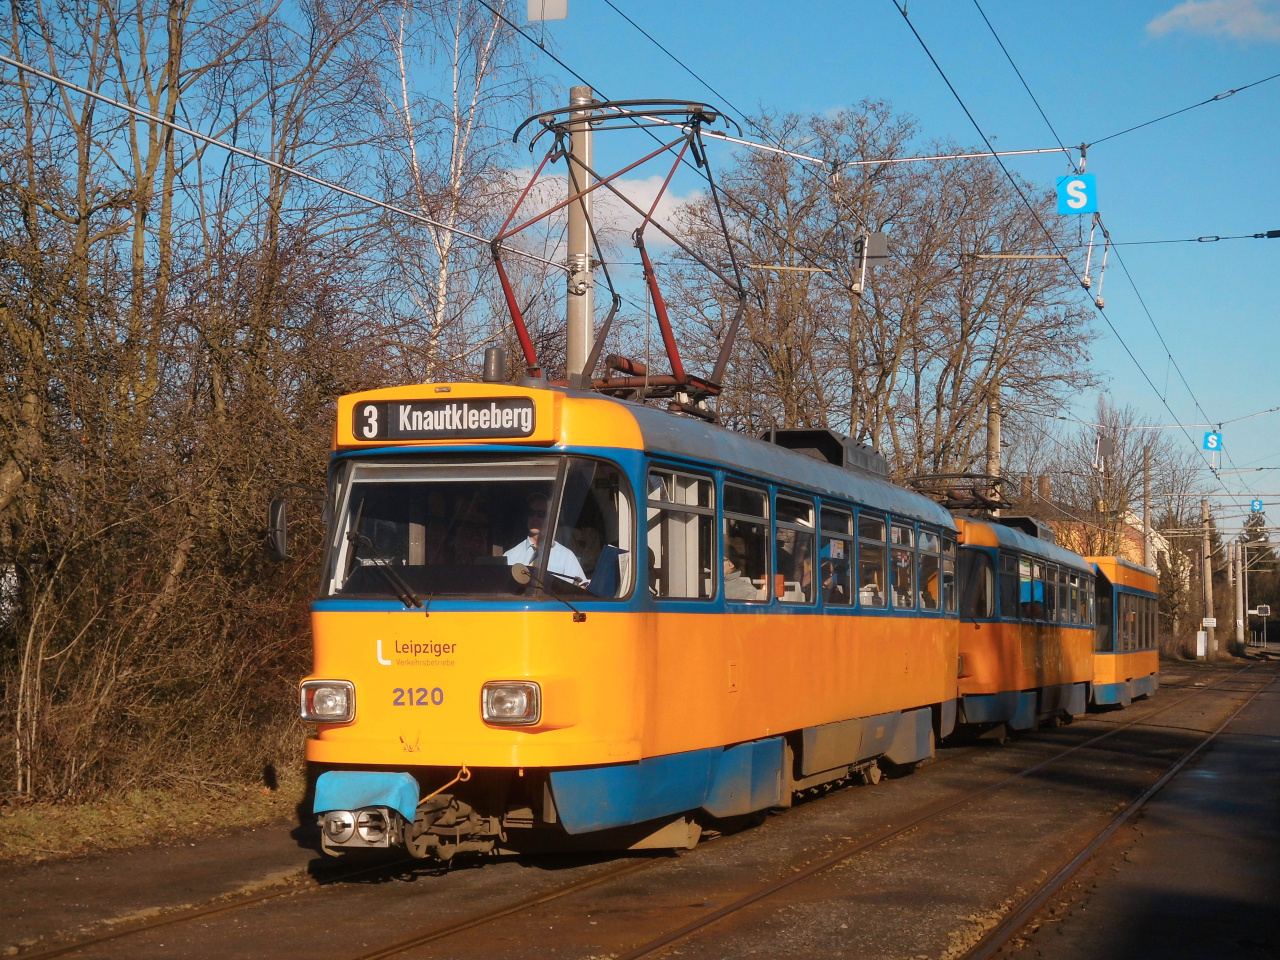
point(415, 531)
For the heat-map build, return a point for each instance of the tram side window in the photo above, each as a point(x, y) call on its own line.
point(930, 570)
point(872, 580)
point(681, 539)
point(977, 585)
point(746, 543)
point(903, 567)
point(794, 550)
point(836, 557)
point(1038, 592)
point(1009, 589)
point(1031, 600)
point(1051, 592)
point(1124, 607)
point(950, 587)
point(1091, 612)
point(1074, 598)
point(1064, 595)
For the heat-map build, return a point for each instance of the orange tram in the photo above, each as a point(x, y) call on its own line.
point(549, 619)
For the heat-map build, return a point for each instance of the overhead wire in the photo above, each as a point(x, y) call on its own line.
point(824, 181)
point(1226, 452)
point(689, 70)
point(1022, 80)
point(1048, 234)
point(992, 153)
point(258, 158)
point(688, 163)
point(1210, 238)
point(1214, 99)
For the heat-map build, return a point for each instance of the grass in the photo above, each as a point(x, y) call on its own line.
point(33, 832)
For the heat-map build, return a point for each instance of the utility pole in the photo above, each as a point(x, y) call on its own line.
point(1244, 556)
point(1206, 578)
point(993, 433)
point(580, 302)
point(1146, 505)
point(1242, 613)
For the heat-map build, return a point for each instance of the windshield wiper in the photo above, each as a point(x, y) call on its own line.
point(402, 590)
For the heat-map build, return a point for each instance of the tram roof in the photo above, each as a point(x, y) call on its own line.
point(627, 424)
point(665, 433)
point(1017, 540)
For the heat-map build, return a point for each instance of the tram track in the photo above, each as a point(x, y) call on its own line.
point(430, 936)
point(1030, 906)
point(220, 906)
point(910, 821)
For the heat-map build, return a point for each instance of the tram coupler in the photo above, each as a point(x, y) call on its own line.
point(446, 826)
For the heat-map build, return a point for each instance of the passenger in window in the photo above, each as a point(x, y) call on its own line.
point(804, 568)
point(562, 563)
point(833, 590)
point(736, 586)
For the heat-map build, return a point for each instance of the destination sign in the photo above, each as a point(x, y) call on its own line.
point(503, 418)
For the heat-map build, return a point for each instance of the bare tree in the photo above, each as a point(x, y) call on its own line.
point(175, 323)
point(908, 364)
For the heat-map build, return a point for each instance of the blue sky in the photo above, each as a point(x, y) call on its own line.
point(1096, 68)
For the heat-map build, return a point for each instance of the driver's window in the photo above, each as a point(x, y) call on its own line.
point(596, 526)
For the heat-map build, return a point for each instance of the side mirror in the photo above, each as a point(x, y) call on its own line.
point(278, 530)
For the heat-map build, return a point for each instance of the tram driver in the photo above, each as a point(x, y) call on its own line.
point(562, 563)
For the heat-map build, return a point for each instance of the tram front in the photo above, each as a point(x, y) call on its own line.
point(471, 629)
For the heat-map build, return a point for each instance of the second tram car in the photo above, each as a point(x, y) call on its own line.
point(1027, 625)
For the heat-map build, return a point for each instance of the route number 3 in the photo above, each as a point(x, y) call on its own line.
point(370, 428)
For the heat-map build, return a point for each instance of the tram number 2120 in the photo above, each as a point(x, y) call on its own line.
point(421, 697)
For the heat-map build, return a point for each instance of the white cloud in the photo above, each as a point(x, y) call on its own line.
point(609, 209)
point(1237, 19)
point(614, 220)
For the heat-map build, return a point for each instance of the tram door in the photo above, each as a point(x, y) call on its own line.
point(1104, 641)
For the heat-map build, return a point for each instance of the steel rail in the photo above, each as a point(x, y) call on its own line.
point(1014, 922)
point(910, 822)
point(430, 936)
point(223, 906)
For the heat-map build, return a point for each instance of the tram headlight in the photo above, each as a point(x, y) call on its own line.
point(328, 701)
point(511, 703)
